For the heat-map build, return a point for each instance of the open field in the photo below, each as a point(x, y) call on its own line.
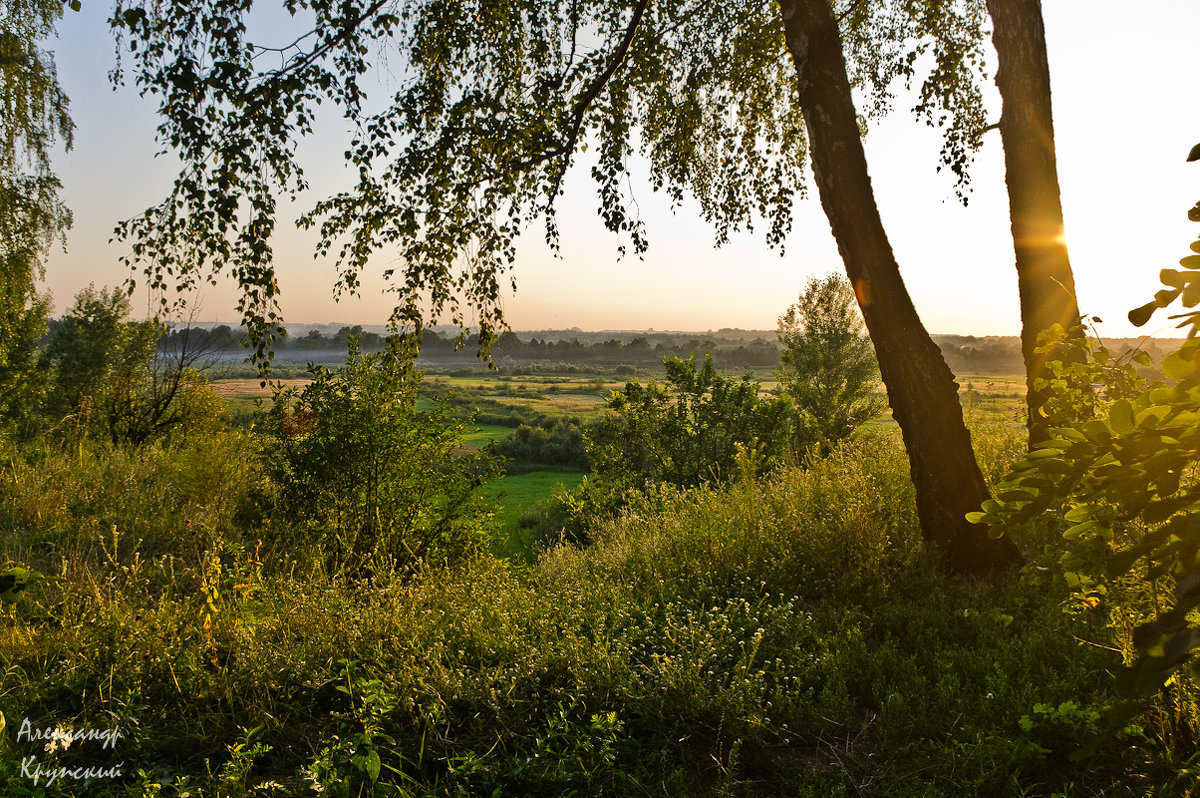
point(578, 396)
point(987, 399)
point(998, 397)
point(483, 434)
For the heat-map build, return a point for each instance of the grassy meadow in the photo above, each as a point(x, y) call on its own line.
point(785, 636)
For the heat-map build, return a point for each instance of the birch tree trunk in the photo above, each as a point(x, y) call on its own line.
point(1044, 275)
point(920, 386)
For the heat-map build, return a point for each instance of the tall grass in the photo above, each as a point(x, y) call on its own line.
point(787, 636)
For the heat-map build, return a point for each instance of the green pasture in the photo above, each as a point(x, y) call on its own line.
point(992, 398)
point(986, 396)
point(483, 434)
point(986, 399)
point(515, 493)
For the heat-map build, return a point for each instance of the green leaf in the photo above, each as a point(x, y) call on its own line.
point(1096, 431)
point(1167, 484)
point(976, 517)
point(1120, 416)
point(372, 765)
point(1161, 396)
point(1141, 315)
point(1055, 466)
point(1073, 532)
point(1177, 367)
point(1081, 513)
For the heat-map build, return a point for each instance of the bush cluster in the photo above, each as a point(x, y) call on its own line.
point(365, 476)
point(557, 443)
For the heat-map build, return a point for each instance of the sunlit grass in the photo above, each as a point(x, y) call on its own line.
point(483, 434)
point(782, 637)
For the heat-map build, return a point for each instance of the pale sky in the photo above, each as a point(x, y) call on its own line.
point(1126, 115)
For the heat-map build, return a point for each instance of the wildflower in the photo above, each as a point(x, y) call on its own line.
point(59, 739)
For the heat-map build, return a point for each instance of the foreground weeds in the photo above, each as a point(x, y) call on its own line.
point(788, 636)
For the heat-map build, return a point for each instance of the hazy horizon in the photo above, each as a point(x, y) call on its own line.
point(1125, 186)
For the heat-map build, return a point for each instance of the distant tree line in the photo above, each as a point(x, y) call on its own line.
point(216, 339)
point(314, 340)
point(641, 349)
point(966, 354)
point(731, 348)
point(728, 353)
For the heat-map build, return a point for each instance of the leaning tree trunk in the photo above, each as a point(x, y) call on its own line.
point(920, 386)
point(1031, 172)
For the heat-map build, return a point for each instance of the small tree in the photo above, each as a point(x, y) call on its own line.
point(828, 364)
point(115, 375)
point(689, 432)
point(158, 386)
point(369, 479)
point(84, 346)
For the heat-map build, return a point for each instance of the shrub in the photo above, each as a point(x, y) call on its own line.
point(557, 442)
point(1118, 475)
point(369, 479)
point(686, 434)
point(689, 432)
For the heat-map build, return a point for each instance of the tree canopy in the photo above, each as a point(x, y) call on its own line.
point(34, 118)
point(494, 103)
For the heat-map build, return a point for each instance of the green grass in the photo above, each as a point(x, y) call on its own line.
point(782, 637)
point(483, 434)
point(516, 493)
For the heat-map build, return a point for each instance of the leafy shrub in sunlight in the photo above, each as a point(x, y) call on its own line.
point(366, 477)
point(801, 531)
point(662, 439)
point(1121, 481)
point(688, 432)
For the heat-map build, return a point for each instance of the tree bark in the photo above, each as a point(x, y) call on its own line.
point(920, 386)
point(1044, 275)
